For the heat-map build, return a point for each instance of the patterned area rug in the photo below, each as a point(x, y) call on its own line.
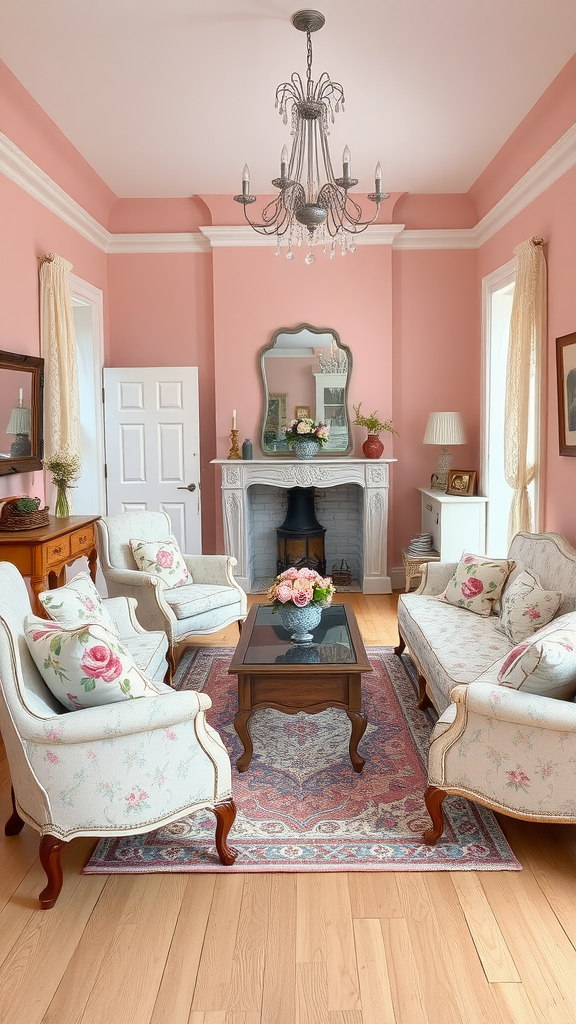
point(301, 807)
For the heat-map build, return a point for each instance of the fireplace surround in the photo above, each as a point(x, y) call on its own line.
point(371, 475)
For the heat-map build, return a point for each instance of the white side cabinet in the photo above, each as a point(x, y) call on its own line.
point(456, 523)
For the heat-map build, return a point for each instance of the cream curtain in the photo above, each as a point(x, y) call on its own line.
point(62, 434)
point(527, 333)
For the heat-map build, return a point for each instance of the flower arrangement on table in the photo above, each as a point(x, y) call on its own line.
point(64, 466)
point(301, 587)
point(307, 429)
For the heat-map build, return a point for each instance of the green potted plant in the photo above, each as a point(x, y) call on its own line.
point(372, 446)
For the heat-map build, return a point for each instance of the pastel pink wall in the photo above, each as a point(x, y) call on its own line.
point(255, 293)
point(161, 314)
point(436, 368)
point(29, 127)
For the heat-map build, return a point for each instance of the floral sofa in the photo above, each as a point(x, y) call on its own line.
point(450, 645)
point(509, 749)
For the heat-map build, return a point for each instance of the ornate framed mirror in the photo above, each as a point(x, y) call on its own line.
point(306, 367)
point(21, 436)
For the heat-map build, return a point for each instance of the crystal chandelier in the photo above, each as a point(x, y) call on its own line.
point(313, 207)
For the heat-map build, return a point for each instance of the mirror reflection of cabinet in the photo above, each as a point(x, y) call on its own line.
point(21, 440)
point(306, 367)
point(331, 407)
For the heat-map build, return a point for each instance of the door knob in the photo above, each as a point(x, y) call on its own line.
point(190, 487)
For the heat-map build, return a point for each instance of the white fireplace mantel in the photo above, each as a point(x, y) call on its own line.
point(370, 474)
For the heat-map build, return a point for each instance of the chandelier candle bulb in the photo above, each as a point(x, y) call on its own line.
point(378, 179)
point(246, 180)
point(283, 163)
point(346, 162)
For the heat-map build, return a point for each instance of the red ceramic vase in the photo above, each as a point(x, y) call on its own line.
point(372, 447)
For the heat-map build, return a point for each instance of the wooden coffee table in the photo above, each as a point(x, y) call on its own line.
point(274, 673)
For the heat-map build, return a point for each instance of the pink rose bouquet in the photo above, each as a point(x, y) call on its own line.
point(301, 587)
point(307, 429)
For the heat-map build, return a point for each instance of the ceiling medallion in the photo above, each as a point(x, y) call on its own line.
point(312, 207)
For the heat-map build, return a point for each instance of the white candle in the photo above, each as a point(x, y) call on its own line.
point(233, 419)
point(20, 393)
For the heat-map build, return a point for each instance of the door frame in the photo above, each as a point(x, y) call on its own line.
point(94, 297)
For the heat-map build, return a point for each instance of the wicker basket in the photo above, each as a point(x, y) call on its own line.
point(12, 519)
point(341, 575)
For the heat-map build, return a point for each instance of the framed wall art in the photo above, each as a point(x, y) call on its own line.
point(566, 374)
point(302, 412)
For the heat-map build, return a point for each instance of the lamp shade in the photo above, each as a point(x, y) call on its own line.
point(20, 421)
point(445, 428)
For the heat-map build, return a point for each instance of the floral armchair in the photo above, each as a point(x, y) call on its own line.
point(212, 601)
point(120, 769)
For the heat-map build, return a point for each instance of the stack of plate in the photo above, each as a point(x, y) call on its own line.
point(421, 545)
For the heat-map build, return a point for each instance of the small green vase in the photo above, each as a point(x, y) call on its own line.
point(61, 509)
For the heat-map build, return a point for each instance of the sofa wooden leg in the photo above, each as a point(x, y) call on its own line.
point(423, 698)
point(171, 670)
point(240, 624)
point(401, 645)
point(433, 798)
point(14, 825)
point(50, 847)
point(225, 813)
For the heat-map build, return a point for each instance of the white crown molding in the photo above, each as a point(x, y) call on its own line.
point(438, 238)
point(380, 234)
point(245, 236)
point(231, 236)
point(177, 241)
point(14, 164)
point(555, 162)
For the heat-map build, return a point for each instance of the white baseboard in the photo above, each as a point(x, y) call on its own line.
point(398, 577)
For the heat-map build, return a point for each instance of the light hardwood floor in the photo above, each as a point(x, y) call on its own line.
point(358, 948)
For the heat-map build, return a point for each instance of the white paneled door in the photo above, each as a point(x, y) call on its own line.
point(152, 445)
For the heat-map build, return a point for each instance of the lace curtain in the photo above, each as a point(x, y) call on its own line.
point(62, 435)
point(527, 333)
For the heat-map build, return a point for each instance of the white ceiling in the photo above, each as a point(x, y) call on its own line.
point(172, 97)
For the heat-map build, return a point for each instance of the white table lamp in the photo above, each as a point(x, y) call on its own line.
point(444, 428)
point(20, 424)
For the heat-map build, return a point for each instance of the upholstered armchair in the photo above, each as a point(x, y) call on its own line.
point(211, 602)
point(119, 769)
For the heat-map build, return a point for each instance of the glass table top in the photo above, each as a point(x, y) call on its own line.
point(270, 643)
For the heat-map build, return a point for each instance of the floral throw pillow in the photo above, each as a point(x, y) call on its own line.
point(546, 666)
point(477, 583)
point(84, 666)
point(526, 607)
point(161, 558)
point(75, 603)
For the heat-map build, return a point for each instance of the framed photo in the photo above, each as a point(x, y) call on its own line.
point(461, 481)
point(566, 372)
point(302, 412)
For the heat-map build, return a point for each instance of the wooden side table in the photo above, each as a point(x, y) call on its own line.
point(412, 565)
point(43, 554)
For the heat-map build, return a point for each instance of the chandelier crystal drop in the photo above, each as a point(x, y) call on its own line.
point(312, 207)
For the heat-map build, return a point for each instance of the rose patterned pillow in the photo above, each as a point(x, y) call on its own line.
point(84, 666)
point(477, 583)
point(546, 666)
point(161, 558)
point(526, 607)
point(78, 601)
